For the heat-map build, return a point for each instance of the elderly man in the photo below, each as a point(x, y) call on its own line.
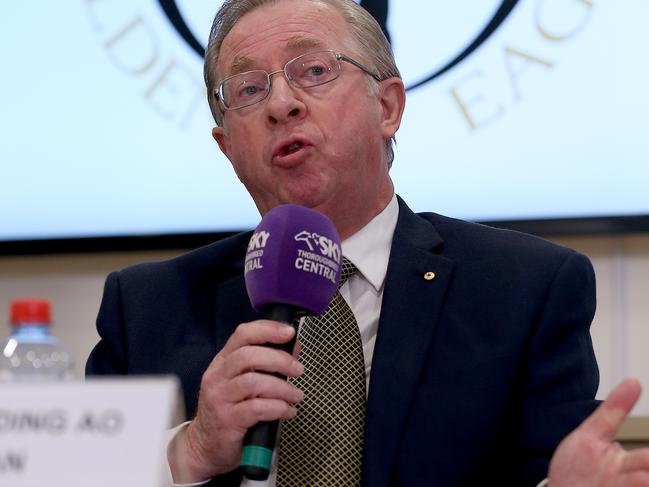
point(473, 342)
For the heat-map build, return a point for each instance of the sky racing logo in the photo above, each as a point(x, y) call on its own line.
point(325, 262)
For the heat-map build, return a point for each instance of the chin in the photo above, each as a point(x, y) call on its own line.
point(307, 201)
point(309, 195)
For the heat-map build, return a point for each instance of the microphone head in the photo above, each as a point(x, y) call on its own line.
point(294, 257)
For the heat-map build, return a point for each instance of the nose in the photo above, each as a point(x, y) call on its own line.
point(283, 103)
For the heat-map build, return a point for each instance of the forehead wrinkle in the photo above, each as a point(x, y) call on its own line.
point(245, 63)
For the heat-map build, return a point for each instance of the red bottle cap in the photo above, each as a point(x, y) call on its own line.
point(30, 311)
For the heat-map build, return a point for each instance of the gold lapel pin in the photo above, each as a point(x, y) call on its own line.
point(429, 276)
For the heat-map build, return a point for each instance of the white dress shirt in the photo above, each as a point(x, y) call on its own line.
point(369, 250)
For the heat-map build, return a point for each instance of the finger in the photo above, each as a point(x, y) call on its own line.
point(258, 358)
point(257, 333)
point(297, 349)
point(259, 409)
point(252, 384)
point(636, 460)
point(608, 417)
point(639, 478)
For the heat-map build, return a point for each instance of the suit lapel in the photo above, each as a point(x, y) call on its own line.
point(412, 300)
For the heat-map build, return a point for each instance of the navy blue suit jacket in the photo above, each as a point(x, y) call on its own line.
point(477, 374)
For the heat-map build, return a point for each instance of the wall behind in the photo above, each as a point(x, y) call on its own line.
point(74, 284)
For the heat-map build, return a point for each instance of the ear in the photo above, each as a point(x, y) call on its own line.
point(393, 101)
point(221, 136)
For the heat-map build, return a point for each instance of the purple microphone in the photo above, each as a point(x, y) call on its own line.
point(293, 266)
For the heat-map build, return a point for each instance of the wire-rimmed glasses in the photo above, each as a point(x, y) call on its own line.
point(305, 71)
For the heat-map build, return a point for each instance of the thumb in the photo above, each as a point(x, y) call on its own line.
point(608, 417)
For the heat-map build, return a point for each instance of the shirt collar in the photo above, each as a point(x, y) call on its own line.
point(369, 248)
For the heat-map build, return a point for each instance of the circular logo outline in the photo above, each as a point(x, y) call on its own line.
point(379, 10)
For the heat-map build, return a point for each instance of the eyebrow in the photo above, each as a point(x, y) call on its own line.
point(246, 63)
point(300, 42)
point(240, 65)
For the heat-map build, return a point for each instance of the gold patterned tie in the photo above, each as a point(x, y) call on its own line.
point(323, 444)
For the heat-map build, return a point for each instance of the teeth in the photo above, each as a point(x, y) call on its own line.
point(293, 146)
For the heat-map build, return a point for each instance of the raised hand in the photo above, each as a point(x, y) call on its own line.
point(590, 456)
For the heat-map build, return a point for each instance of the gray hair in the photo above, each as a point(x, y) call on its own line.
point(365, 31)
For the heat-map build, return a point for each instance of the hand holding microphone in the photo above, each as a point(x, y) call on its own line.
point(292, 268)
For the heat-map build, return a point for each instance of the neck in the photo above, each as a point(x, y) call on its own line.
point(350, 222)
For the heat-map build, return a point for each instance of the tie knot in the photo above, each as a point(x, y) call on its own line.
point(348, 269)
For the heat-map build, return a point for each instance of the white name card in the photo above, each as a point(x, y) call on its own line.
point(102, 432)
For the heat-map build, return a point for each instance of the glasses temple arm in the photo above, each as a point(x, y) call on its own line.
point(358, 65)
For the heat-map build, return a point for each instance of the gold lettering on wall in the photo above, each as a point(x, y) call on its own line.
point(173, 89)
point(131, 42)
point(546, 32)
point(517, 62)
point(551, 20)
point(473, 103)
point(169, 86)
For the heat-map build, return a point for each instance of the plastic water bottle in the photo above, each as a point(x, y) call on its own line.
point(31, 353)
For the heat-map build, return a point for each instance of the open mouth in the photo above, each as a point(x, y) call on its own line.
point(291, 148)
